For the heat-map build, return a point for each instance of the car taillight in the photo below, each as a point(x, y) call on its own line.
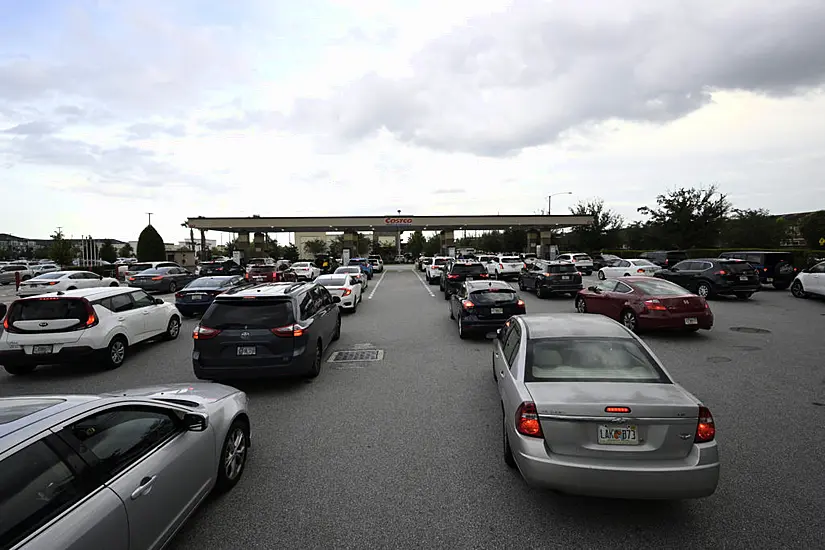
point(655, 305)
point(131, 278)
point(705, 302)
point(467, 304)
point(617, 409)
point(452, 276)
point(520, 303)
point(347, 292)
point(6, 325)
point(705, 428)
point(527, 420)
point(178, 294)
point(290, 331)
point(246, 276)
point(91, 320)
point(204, 333)
point(721, 272)
point(640, 270)
point(158, 278)
point(765, 269)
point(483, 275)
point(501, 266)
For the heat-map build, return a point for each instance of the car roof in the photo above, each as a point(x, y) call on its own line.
point(41, 409)
point(756, 252)
point(566, 325)
point(264, 290)
point(96, 293)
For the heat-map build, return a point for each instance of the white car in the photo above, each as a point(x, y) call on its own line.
point(98, 323)
point(358, 277)
point(583, 262)
point(433, 269)
point(626, 268)
point(503, 267)
point(810, 281)
point(343, 286)
point(62, 281)
point(305, 271)
point(39, 269)
point(7, 273)
point(377, 263)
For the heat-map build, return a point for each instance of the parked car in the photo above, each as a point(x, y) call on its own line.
point(423, 262)
point(162, 279)
point(642, 303)
point(279, 329)
point(457, 272)
point(626, 268)
point(197, 296)
point(117, 471)
point(263, 273)
point(377, 263)
point(604, 260)
point(130, 270)
point(91, 323)
point(774, 268)
point(356, 274)
point(326, 263)
point(41, 268)
point(484, 306)
point(810, 282)
point(226, 267)
point(345, 288)
point(583, 262)
point(365, 264)
point(263, 260)
point(665, 258)
point(547, 277)
point(305, 271)
point(589, 409)
point(7, 273)
point(63, 280)
point(504, 267)
point(710, 277)
point(433, 270)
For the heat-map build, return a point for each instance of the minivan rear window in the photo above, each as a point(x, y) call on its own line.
point(49, 309)
point(239, 313)
point(581, 257)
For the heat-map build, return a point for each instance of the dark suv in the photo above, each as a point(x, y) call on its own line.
point(774, 268)
point(550, 277)
point(228, 267)
point(457, 272)
point(267, 330)
point(708, 277)
point(665, 258)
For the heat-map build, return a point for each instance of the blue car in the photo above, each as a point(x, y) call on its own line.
point(196, 297)
point(365, 264)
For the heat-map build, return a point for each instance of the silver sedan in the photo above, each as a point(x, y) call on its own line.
point(588, 409)
point(117, 471)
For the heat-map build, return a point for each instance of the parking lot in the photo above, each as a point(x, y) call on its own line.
point(405, 452)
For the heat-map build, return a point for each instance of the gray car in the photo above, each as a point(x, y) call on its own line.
point(116, 471)
point(589, 409)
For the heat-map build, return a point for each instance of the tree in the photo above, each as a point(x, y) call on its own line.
point(491, 241)
point(812, 228)
point(416, 244)
point(150, 247)
point(514, 240)
point(274, 250)
point(315, 246)
point(755, 229)
point(291, 253)
point(61, 251)
point(603, 232)
point(433, 246)
point(107, 252)
point(688, 218)
point(126, 251)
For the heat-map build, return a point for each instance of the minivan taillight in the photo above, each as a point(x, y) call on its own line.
point(290, 331)
point(705, 428)
point(204, 333)
point(527, 420)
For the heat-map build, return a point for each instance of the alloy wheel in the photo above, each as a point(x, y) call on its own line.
point(703, 290)
point(629, 320)
point(235, 456)
point(797, 290)
point(117, 352)
point(581, 305)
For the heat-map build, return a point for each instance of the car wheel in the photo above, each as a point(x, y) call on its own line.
point(703, 290)
point(114, 284)
point(173, 328)
point(539, 291)
point(629, 320)
point(355, 305)
point(521, 284)
point(115, 353)
point(601, 275)
point(25, 277)
point(509, 460)
point(173, 287)
point(798, 290)
point(337, 334)
point(461, 333)
point(233, 456)
point(581, 305)
point(315, 370)
point(450, 307)
point(446, 295)
point(744, 295)
point(19, 370)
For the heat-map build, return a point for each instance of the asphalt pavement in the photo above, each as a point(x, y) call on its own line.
point(405, 452)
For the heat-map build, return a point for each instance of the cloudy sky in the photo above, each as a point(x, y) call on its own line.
point(111, 109)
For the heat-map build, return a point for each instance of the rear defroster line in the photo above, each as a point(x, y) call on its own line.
point(425, 285)
point(377, 285)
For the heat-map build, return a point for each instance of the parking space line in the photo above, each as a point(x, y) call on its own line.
point(377, 285)
point(425, 285)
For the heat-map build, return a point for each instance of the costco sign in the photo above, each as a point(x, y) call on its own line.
point(398, 221)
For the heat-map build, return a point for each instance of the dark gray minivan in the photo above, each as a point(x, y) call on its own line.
point(265, 331)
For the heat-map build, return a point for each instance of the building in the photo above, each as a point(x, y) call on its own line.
point(210, 244)
point(21, 245)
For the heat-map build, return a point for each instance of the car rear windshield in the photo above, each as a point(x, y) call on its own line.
point(302, 265)
point(659, 287)
point(48, 276)
point(736, 267)
point(15, 409)
point(158, 271)
point(140, 267)
point(440, 261)
point(642, 262)
point(262, 269)
point(492, 296)
point(332, 281)
point(258, 261)
point(677, 255)
point(49, 309)
point(255, 313)
point(562, 268)
point(581, 257)
point(469, 269)
point(511, 260)
point(348, 270)
point(208, 282)
point(590, 360)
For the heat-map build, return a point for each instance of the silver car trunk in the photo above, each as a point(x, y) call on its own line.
point(661, 423)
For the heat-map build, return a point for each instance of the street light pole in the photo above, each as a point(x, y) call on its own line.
point(550, 199)
point(398, 237)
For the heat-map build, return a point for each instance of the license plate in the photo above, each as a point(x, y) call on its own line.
point(195, 297)
point(769, 279)
point(246, 350)
point(691, 321)
point(43, 349)
point(743, 277)
point(565, 277)
point(618, 435)
point(496, 310)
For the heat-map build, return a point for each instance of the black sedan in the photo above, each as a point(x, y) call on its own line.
point(198, 295)
point(162, 279)
point(484, 306)
point(710, 277)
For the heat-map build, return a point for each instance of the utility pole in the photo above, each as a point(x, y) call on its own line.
point(150, 217)
point(398, 238)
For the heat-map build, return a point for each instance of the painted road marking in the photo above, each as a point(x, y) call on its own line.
point(377, 285)
point(425, 285)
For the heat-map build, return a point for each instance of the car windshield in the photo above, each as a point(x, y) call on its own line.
point(581, 257)
point(208, 282)
point(46, 276)
point(659, 287)
point(139, 267)
point(268, 314)
point(643, 262)
point(441, 261)
point(469, 269)
point(511, 260)
point(590, 360)
point(492, 296)
point(331, 281)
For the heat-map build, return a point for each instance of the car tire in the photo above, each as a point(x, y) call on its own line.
point(234, 452)
point(172, 328)
point(521, 284)
point(19, 370)
point(355, 305)
point(589, 272)
point(315, 369)
point(337, 334)
point(25, 277)
point(539, 292)
point(509, 459)
point(798, 290)
point(446, 295)
point(704, 289)
point(744, 295)
point(450, 307)
point(72, 288)
point(115, 353)
point(461, 333)
point(173, 287)
point(601, 276)
point(581, 305)
point(114, 284)
point(629, 320)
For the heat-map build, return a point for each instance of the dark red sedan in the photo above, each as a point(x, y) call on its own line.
point(642, 303)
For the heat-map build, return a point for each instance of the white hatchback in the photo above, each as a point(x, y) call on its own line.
point(583, 262)
point(63, 280)
point(98, 323)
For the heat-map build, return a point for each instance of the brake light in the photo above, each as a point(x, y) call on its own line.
point(52, 283)
point(158, 278)
point(452, 276)
point(131, 278)
point(501, 266)
point(705, 428)
point(91, 320)
point(527, 420)
point(204, 333)
point(468, 304)
point(178, 294)
point(520, 303)
point(246, 276)
point(483, 275)
point(655, 305)
point(6, 326)
point(706, 303)
point(722, 272)
point(640, 270)
point(617, 409)
point(347, 292)
point(547, 274)
point(290, 331)
point(764, 269)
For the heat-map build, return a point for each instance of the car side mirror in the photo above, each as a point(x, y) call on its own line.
point(195, 422)
point(593, 288)
point(159, 301)
point(3, 309)
point(336, 299)
point(673, 269)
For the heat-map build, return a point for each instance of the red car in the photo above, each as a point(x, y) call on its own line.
point(641, 303)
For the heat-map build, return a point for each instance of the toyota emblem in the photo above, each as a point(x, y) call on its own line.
point(244, 335)
point(43, 324)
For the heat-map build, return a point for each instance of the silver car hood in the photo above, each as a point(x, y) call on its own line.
point(202, 393)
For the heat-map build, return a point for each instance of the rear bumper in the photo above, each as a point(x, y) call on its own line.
point(666, 320)
point(562, 288)
point(189, 308)
point(736, 289)
point(150, 286)
point(694, 476)
point(473, 324)
point(65, 355)
point(299, 366)
point(24, 292)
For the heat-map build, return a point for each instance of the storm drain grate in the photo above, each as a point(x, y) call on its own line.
point(356, 356)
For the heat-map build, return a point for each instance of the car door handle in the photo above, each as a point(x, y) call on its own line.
point(121, 318)
point(501, 372)
point(495, 353)
point(144, 488)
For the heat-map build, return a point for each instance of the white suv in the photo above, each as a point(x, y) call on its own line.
point(377, 263)
point(504, 267)
point(98, 323)
point(433, 269)
point(583, 262)
point(810, 282)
